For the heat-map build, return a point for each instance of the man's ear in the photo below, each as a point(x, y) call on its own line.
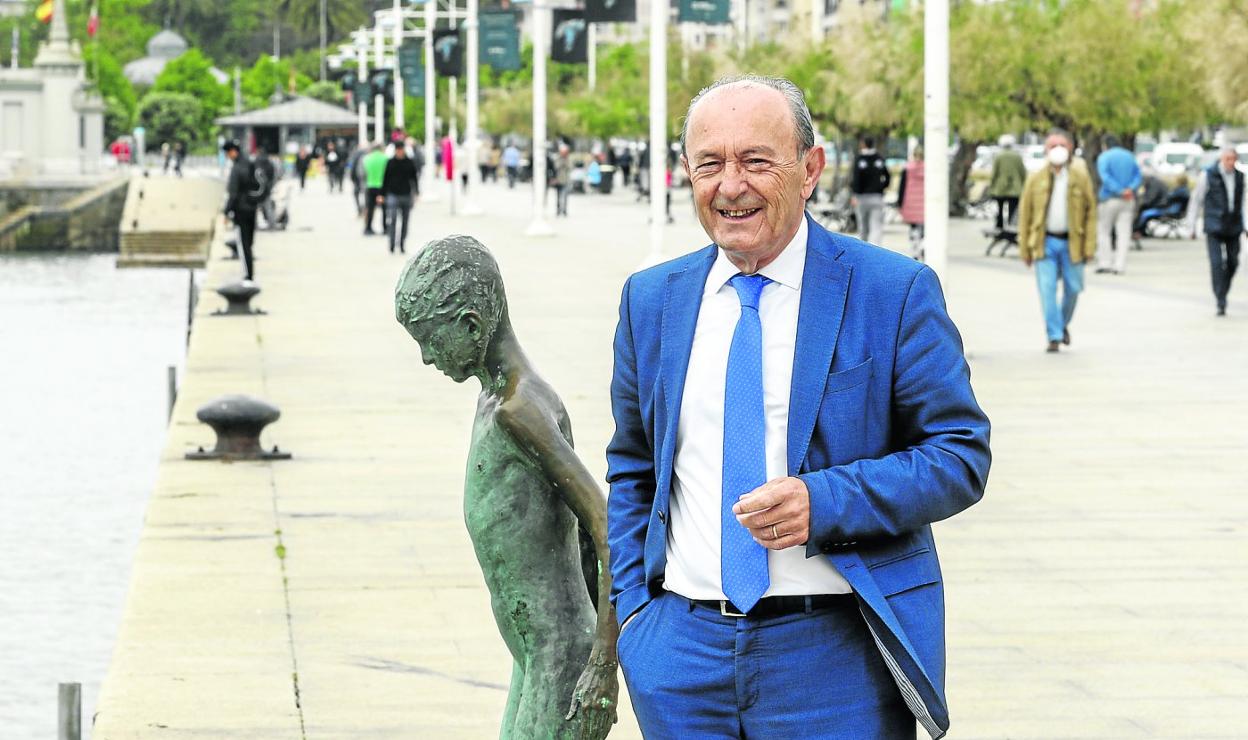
point(684, 162)
point(813, 163)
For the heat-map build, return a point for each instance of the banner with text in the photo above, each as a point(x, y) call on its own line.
point(500, 39)
point(412, 68)
point(710, 12)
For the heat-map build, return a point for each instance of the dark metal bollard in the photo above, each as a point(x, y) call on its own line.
point(239, 296)
point(238, 421)
point(69, 711)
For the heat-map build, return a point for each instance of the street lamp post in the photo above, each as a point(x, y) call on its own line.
point(658, 130)
point(428, 192)
point(361, 51)
point(936, 134)
point(539, 226)
point(379, 100)
point(472, 123)
point(400, 115)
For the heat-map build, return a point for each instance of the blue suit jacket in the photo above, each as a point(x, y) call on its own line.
point(883, 429)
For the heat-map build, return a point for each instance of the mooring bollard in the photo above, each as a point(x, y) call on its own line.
point(239, 296)
point(238, 421)
point(69, 711)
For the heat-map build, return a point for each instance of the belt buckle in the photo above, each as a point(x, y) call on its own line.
point(723, 609)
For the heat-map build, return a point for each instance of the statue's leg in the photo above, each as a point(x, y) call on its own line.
point(513, 703)
point(548, 685)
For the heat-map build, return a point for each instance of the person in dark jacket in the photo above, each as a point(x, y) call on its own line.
point(303, 160)
point(335, 165)
point(869, 181)
point(1222, 199)
point(399, 185)
point(266, 174)
point(242, 196)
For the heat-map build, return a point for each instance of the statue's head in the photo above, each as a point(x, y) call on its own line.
point(450, 299)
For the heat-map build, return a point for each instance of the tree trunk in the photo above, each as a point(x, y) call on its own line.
point(959, 175)
point(1091, 144)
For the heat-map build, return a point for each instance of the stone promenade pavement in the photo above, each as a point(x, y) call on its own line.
point(1100, 590)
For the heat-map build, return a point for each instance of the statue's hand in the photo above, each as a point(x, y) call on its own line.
point(595, 698)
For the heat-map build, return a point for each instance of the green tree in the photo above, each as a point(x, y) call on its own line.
point(327, 92)
point(267, 76)
point(170, 117)
point(191, 74)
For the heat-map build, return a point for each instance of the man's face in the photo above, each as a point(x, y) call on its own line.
point(749, 186)
point(452, 345)
point(1228, 160)
point(231, 154)
point(1055, 140)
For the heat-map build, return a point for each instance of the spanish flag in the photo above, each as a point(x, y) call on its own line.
point(44, 11)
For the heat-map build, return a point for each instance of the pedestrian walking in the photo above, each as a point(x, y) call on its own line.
point(166, 154)
point(266, 174)
point(773, 589)
point(303, 160)
point(335, 166)
point(511, 161)
point(1006, 184)
point(867, 184)
point(1120, 176)
point(244, 192)
point(398, 186)
point(417, 155)
point(374, 166)
point(1057, 233)
point(359, 184)
point(1220, 198)
point(562, 179)
point(910, 201)
point(179, 154)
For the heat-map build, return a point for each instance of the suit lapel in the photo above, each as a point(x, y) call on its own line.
point(681, 302)
point(825, 285)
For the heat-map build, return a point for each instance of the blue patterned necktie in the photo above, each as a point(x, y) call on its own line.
point(742, 561)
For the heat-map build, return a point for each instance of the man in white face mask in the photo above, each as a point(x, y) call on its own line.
point(1057, 233)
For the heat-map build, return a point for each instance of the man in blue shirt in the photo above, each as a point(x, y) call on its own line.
point(1120, 176)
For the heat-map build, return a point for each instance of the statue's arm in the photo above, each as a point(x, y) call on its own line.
point(593, 704)
point(538, 434)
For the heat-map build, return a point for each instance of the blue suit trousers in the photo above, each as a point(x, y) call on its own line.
point(694, 673)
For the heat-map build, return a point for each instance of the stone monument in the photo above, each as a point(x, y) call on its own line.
point(531, 507)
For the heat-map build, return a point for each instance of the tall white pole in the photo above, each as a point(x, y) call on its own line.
point(362, 104)
point(936, 134)
point(658, 129)
point(379, 100)
point(541, 35)
point(400, 115)
point(591, 38)
point(472, 133)
point(428, 191)
point(453, 133)
point(324, 34)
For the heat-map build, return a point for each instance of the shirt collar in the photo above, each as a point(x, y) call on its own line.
point(786, 269)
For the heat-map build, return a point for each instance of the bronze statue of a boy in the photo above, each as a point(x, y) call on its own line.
point(525, 492)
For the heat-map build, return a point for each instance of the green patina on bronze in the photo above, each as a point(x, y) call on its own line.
point(536, 518)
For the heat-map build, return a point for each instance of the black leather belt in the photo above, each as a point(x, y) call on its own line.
point(1064, 235)
point(777, 606)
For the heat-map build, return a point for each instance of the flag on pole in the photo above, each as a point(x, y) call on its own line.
point(44, 12)
point(93, 23)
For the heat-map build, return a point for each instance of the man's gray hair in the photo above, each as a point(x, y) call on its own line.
point(803, 125)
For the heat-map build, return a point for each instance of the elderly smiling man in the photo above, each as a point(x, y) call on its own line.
point(792, 412)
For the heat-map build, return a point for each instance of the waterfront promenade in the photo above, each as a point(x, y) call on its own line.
point(1098, 591)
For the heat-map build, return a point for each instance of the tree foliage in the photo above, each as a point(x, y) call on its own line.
point(190, 74)
point(170, 117)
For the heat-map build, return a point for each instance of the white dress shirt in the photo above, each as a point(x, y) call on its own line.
point(693, 541)
point(1057, 221)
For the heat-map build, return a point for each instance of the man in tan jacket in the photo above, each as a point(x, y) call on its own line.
point(1057, 232)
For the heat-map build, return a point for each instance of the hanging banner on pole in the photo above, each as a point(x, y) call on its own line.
point(610, 11)
point(448, 53)
point(500, 39)
point(569, 43)
point(710, 12)
point(411, 59)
